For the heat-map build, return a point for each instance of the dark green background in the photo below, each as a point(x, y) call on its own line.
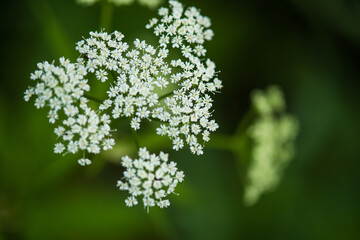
point(309, 47)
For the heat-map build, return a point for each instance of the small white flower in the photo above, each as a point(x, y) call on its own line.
point(59, 148)
point(164, 203)
point(131, 201)
point(84, 161)
point(101, 75)
point(108, 144)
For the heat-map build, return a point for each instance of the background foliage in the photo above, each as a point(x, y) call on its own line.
point(310, 48)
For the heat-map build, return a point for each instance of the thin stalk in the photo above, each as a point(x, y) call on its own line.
point(112, 76)
point(93, 98)
point(163, 224)
point(242, 145)
point(106, 16)
point(246, 121)
point(156, 120)
point(55, 33)
point(166, 95)
point(133, 132)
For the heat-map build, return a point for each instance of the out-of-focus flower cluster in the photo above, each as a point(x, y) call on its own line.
point(273, 134)
point(137, 74)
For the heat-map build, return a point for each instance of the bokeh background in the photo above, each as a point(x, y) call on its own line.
point(311, 48)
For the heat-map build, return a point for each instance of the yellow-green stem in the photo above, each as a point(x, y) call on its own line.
point(133, 132)
point(106, 16)
point(166, 95)
point(93, 98)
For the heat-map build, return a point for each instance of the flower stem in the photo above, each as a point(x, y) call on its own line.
point(113, 76)
point(106, 15)
point(165, 95)
point(163, 225)
point(93, 98)
point(54, 32)
point(133, 132)
point(246, 121)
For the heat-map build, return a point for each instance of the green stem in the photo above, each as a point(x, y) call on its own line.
point(163, 224)
point(246, 121)
point(93, 98)
point(106, 15)
point(54, 31)
point(113, 76)
point(156, 120)
point(166, 95)
point(242, 145)
point(133, 132)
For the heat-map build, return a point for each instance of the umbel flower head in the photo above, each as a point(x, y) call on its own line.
point(151, 178)
point(141, 71)
point(62, 89)
point(273, 134)
point(135, 75)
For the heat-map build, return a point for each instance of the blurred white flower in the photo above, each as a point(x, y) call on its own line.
point(84, 161)
point(273, 134)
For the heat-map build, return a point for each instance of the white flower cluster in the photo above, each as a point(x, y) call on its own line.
point(136, 74)
point(62, 88)
point(187, 112)
point(273, 134)
point(150, 177)
point(141, 71)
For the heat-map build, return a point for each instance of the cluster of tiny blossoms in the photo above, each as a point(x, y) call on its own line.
point(187, 112)
point(273, 134)
point(140, 72)
point(137, 74)
point(151, 177)
point(62, 89)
